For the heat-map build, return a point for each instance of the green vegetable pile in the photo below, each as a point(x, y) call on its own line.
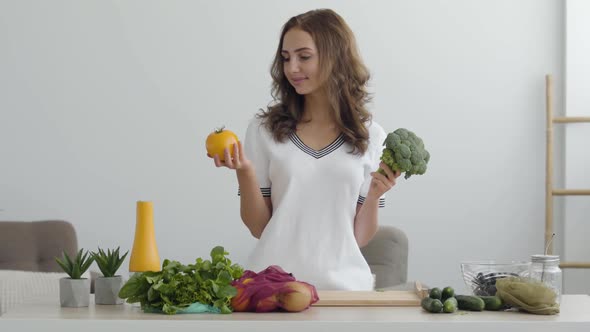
point(448, 302)
point(177, 286)
point(404, 152)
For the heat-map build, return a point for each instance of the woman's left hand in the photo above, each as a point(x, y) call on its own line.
point(380, 184)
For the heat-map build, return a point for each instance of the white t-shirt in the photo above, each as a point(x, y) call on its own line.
point(314, 195)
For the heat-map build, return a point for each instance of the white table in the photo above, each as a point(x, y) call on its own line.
point(47, 314)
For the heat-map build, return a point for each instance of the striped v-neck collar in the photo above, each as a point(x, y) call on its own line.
point(317, 154)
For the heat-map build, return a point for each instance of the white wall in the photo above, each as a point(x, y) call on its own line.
point(577, 208)
point(108, 102)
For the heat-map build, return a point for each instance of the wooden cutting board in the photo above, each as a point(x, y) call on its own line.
point(393, 298)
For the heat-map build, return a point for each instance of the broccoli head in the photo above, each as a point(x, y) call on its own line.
point(405, 152)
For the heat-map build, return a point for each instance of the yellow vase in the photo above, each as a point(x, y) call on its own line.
point(144, 255)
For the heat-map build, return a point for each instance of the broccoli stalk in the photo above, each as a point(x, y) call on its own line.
point(404, 152)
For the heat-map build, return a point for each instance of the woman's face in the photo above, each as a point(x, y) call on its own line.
point(300, 61)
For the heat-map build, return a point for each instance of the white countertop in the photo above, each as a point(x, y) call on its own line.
point(46, 313)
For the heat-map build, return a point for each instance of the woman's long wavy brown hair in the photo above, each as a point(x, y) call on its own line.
point(342, 72)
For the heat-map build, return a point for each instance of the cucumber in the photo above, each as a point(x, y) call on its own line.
point(468, 302)
point(492, 302)
point(447, 292)
point(431, 305)
point(450, 305)
point(436, 306)
point(435, 293)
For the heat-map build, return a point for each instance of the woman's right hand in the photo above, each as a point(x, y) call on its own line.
point(238, 162)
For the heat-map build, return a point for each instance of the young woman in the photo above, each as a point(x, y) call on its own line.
point(307, 169)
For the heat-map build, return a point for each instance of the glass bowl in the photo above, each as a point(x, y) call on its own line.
point(480, 276)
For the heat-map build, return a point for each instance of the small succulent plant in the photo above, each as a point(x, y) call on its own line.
point(75, 268)
point(108, 262)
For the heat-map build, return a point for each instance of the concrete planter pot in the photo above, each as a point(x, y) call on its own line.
point(106, 290)
point(74, 292)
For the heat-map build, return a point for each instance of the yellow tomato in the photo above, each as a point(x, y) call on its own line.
point(241, 301)
point(219, 140)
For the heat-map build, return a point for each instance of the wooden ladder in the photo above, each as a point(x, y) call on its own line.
point(550, 191)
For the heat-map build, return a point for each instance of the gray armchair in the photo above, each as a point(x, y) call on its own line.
point(27, 259)
point(387, 255)
point(33, 246)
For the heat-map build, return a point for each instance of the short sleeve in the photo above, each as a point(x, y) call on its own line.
point(372, 159)
point(256, 149)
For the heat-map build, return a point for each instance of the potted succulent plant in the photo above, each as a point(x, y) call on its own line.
point(75, 290)
point(106, 288)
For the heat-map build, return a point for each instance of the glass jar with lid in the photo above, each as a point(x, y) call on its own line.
point(545, 268)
